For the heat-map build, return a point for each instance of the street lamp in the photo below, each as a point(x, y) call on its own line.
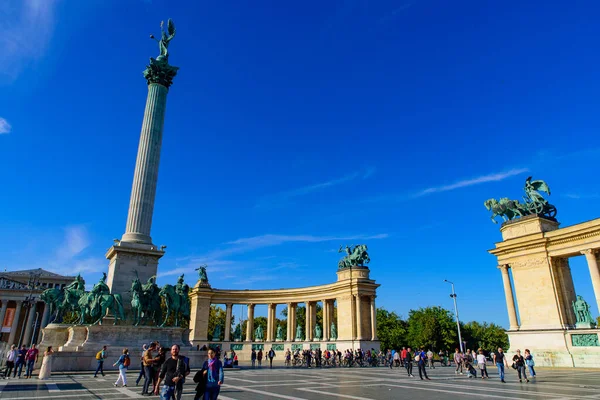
point(453, 295)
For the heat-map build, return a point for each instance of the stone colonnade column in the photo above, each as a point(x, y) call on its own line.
point(325, 320)
point(270, 323)
point(228, 307)
point(590, 256)
point(308, 330)
point(3, 313)
point(43, 322)
point(292, 313)
point(250, 323)
point(373, 319)
point(15, 324)
point(359, 333)
point(29, 327)
point(510, 300)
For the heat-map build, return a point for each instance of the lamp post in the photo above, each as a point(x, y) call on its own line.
point(453, 295)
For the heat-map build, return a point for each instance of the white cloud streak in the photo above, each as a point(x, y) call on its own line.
point(275, 240)
point(279, 198)
point(27, 27)
point(495, 177)
point(4, 126)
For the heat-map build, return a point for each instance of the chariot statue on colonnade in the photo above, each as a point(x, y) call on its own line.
point(356, 256)
point(534, 203)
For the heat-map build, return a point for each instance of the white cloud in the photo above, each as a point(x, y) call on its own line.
point(278, 198)
point(274, 240)
point(4, 126)
point(27, 27)
point(495, 177)
point(76, 240)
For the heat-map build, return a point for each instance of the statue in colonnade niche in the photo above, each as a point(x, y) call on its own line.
point(259, 334)
point(279, 335)
point(299, 333)
point(333, 331)
point(318, 332)
point(237, 334)
point(582, 313)
point(217, 333)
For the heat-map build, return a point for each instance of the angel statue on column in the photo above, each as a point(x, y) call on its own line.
point(163, 43)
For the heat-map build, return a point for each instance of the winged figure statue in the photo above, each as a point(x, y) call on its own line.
point(165, 38)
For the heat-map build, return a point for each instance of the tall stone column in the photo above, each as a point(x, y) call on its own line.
point(45, 316)
point(29, 325)
point(15, 323)
point(292, 321)
point(359, 333)
point(325, 319)
point(308, 330)
point(3, 312)
point(592, 262)
point(228, 308)
point(373, 319)
point(270, 323)
point(510, 300)
point(288, 334)
point(250, 323)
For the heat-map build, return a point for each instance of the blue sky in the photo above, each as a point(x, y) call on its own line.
point(294, 128)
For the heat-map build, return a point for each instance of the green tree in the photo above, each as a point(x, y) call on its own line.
point(431, 327)
point(216, 315)
point(391, 330)
point(258, 321)
point(484, 335)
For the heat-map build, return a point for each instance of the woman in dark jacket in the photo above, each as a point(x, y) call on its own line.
point(520, 364)
point(209, 378)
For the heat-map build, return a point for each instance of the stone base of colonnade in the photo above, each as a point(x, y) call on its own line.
point(76, 345)
point(558, 347)
point(244, 349)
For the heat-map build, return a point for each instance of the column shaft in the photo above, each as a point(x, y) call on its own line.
point(145, 178)
point(29, 325)
point(594, 273)
point(270, 323)
point(325, 318)
point(308, 334)
point(373, 319)
point(250, 323)
point(227, 327)
point(359, 335)
point(15, 324)
point(3, 313)
point(293, 320)
point(510, 300)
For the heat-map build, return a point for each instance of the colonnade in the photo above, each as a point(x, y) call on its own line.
point(26, 320)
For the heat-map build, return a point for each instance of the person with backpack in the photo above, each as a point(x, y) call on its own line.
point(123, 362)
point(271, 355)
point(528, 361)
point(100, 356)
point(420, 358)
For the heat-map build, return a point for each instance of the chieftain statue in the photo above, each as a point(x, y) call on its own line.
point(237, 334)
point(145, 301)
point(583, 315)
point(318, 332)
point(534, 203)
point(259, 333)
point(299, 333)
point(279, 335)
point(177, 301)
point(333, 331)
point(356, 256)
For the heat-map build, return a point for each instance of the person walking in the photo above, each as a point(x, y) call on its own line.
point(420, 359)
point(46, 369)
point(142, 373)
point(253, 358)
point(271, 356)
point(123, 363)
point(530, 363)
point(408, 363)
point(481, 361)
point(458, 360)
point(519, 362)
point(173, 372)
point(259, 357)
point(31, 358)
point(149, 361)
point(20, 361)
point(500, 361)
point(430, 359)
point(100, 356)
point(11, 357)
point(213, 376)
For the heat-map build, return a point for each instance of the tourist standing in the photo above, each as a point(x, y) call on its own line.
point(253, 358)
point(11, 357)
point(397, 358)
point(408, 363)
point(421, 365)
point(142, 373)
point(212, 370)
point(149, 360)
point(173, 371)
point(20, 360)
point(519, 362)
point(530, 363)
point(271, 356)
point(123, 363)
point(100, 356)
point(46, 369)
point(31, 357)
point(288, 358)
point(481, 364)
point(458, 360)
point(500, 361)
point(430, 359)
point(259, 357)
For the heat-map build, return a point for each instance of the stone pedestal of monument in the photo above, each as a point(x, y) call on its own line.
point(77, 345)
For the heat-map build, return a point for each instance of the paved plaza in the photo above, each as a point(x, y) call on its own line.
point(312, 384)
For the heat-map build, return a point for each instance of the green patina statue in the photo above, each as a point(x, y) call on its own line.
point(534, 203)
point(145, 301)
point(237, 334)
point(259, 333)
point(216, 333)
point(318, 332)
point(279, 335)
point(202, 277)
point(177, 301)
point(333, 331)
point(159, 71)
point(583, 315)
point(356, 256)
point(299, 333)
point(63, 301)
